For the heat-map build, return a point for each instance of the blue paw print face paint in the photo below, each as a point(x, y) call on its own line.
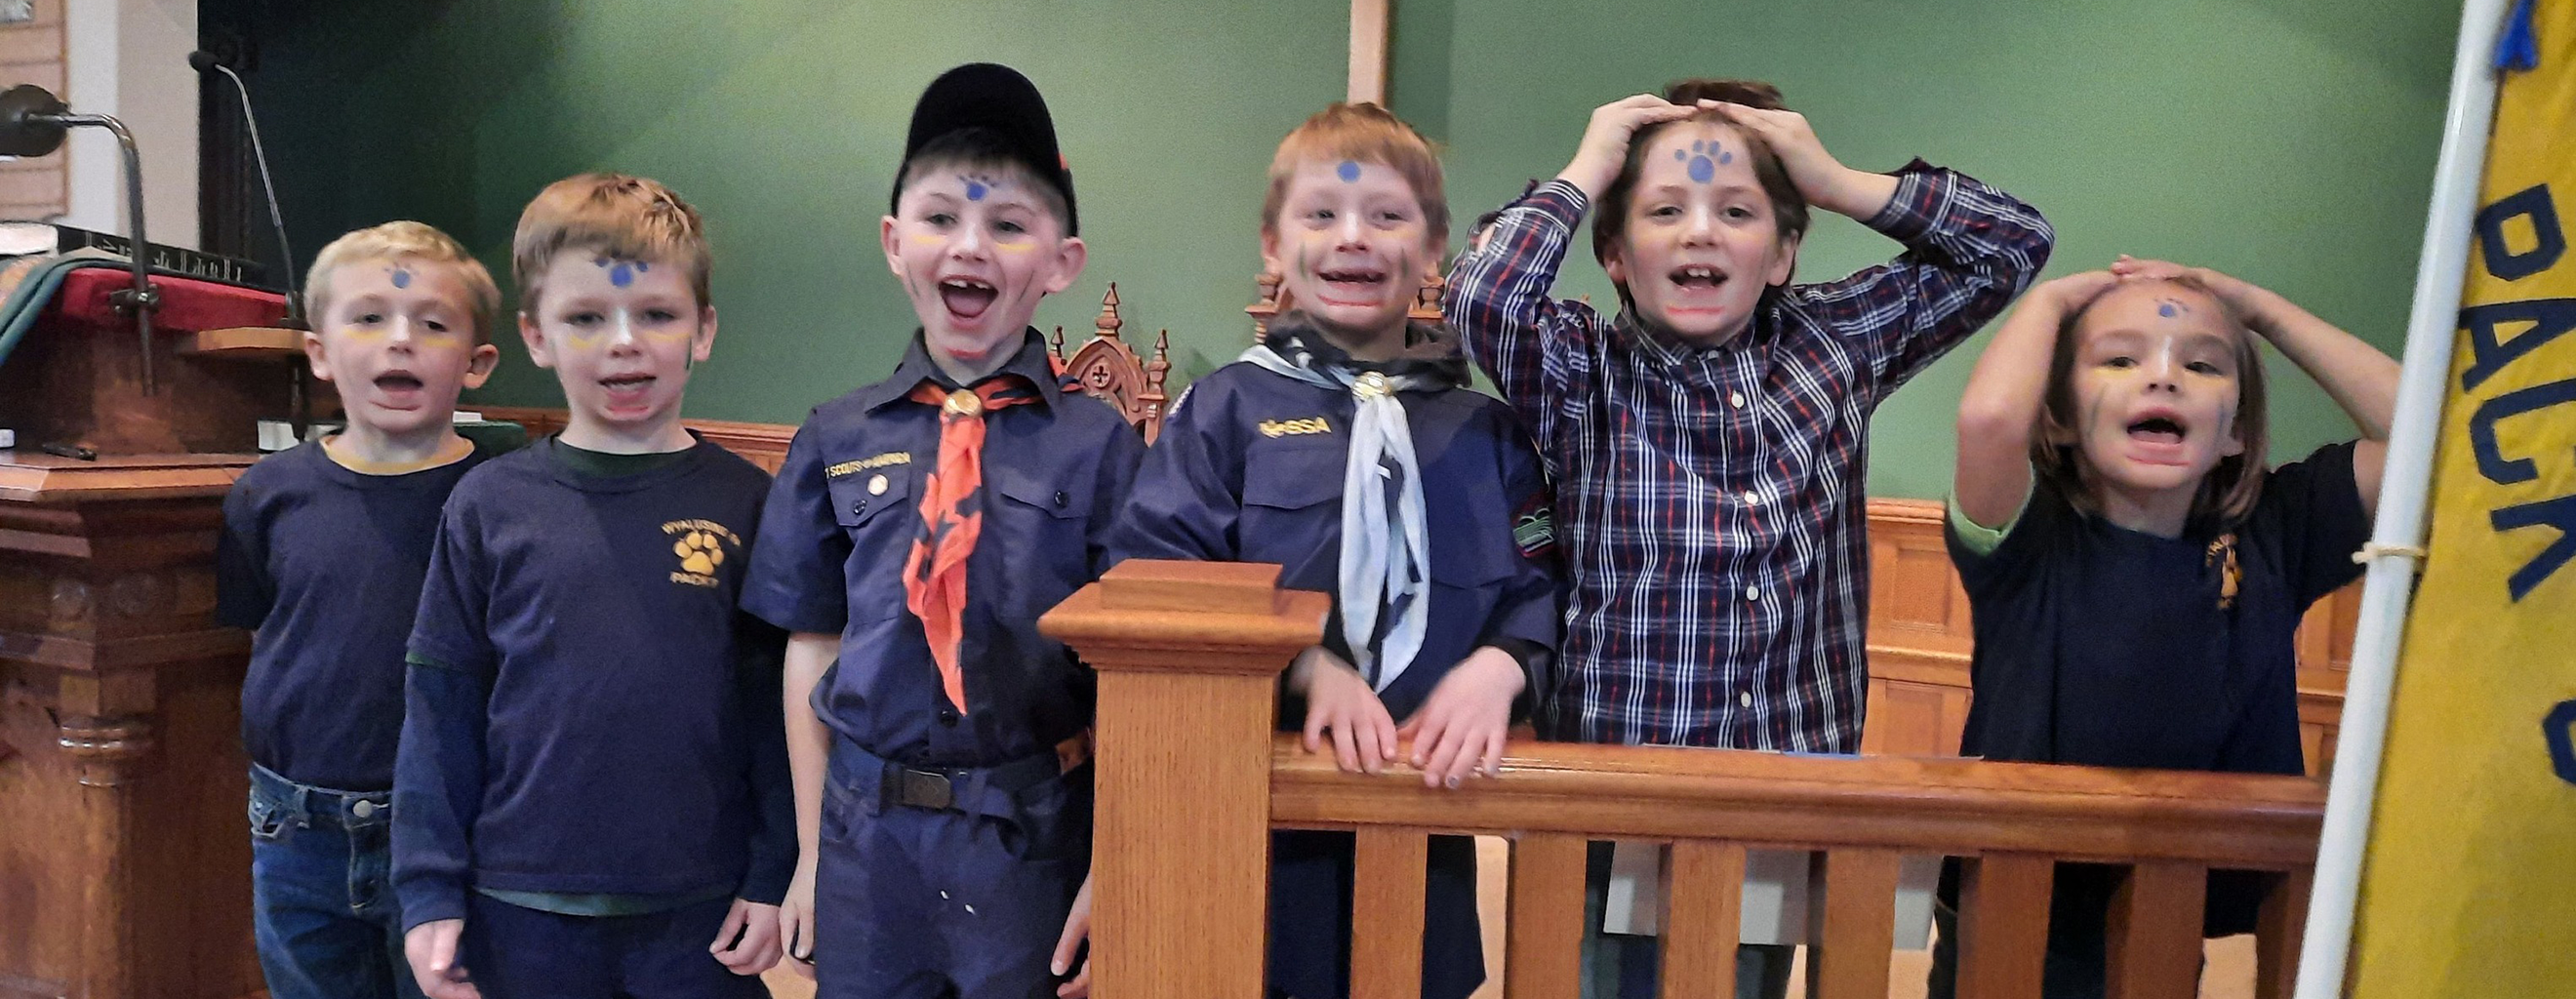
point(1349, 172)
point(402, 277)
point(2169, 308)
point(978, 186)
point(622, 272)
point(1702, 158)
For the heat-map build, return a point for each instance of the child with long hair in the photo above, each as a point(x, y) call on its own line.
point(2135, 572)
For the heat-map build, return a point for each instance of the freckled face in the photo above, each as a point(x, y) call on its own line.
point(2156, 384)
point(397, 339)
point(1350, 245)
point(976, 249)
point(620, 334)
point(1701, 242)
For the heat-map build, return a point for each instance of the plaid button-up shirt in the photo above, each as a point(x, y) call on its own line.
point(1709, 501)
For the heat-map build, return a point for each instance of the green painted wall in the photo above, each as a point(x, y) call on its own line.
point(2289, 142)
point(783, 122)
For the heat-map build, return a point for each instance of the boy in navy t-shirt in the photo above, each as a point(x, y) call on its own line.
point(322, 553)
point(919, 527)
point(592, 786)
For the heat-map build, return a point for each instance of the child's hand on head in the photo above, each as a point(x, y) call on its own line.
point(1823, 180)
point(1461, 728)
point(2245, 297)
point(1338, 699)
point(2075, 291)
point(1604, 148)
point(747, 943)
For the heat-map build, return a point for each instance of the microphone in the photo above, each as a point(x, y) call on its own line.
point(203, 61)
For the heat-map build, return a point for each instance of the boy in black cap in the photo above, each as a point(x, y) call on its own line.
point(916, 531)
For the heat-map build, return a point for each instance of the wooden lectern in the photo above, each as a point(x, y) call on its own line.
point(124, 854)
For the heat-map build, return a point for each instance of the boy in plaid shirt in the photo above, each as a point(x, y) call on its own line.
point(1708, 440)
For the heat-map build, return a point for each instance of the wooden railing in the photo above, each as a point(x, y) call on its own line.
point(1191, 780)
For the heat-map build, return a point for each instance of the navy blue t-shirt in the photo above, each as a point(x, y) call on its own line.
point(588, 712)
point(841, 522)
point(325, 565)
point(2103, 646)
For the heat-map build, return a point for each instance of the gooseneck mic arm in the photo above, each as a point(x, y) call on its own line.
point(203, 61)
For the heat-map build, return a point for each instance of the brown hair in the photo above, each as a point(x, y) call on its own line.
point(402, 239)
point(1788, 207)
point(2227, 493)
point(1365, 133)
point(634, 218)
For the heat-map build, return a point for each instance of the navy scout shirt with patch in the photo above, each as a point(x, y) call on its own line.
point(841, 521)
point(1250, 470)
point(588, 711)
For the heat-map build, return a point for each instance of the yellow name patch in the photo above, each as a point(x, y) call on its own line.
point(863, 464)
point(1284, 428)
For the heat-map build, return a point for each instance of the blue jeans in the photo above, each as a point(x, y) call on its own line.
point(322, 907)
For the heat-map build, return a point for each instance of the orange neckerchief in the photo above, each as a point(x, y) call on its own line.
point(952, 516)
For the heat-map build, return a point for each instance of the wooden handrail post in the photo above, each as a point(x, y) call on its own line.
point(1189, 655)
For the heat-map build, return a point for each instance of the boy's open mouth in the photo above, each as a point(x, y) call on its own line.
point(965, 297)
point(1353, 284)
point(627, 387)
point(1698, 276)
point(2158, 429)
point(398, 381)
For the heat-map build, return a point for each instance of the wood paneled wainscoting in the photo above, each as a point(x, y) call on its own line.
point(1919, 639)
point(1919, 634)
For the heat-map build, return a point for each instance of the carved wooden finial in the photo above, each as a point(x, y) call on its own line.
point(1267, 306)
point(1426, 301)
point(1056, 343)
point(1109, 322)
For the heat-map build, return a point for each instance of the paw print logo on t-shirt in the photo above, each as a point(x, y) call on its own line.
point(700, 546)
point(698, 552)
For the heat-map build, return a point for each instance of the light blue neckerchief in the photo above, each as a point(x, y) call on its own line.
point(1375, 570)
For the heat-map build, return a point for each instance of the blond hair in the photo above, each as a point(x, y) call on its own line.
point(612, 214)
point(405, 240)
point(1363, 133)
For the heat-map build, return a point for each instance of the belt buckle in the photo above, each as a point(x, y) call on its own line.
point(924, 789)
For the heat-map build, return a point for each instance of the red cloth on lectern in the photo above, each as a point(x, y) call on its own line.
point(186, 303)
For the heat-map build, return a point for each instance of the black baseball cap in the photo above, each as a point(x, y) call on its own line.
point(994, 97)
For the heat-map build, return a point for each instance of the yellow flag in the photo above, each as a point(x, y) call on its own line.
point(2470, 885)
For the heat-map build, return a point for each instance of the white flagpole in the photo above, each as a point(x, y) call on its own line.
point(2431, 328)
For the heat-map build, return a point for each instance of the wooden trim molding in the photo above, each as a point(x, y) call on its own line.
point(763, 444)
point(1370, 21)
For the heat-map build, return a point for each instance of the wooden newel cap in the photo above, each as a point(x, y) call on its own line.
point(1196, 617)
point(1203, 587)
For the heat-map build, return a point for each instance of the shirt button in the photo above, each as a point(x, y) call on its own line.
point(1735, 399)
point(947, 718)
point(1744, 698)
point(1752, 594)
point(858, 508)
point(1752, 498)
point(363, 809)
point(1061, 499)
